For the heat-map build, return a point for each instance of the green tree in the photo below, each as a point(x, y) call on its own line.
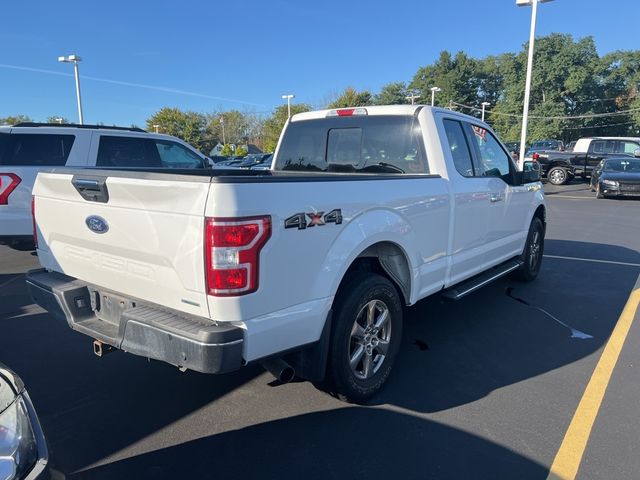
point(350, 97)
point(394, 93)
point(189, 126)
point(226, 151)
point(457, 77)
point(57, 119)
point(241, 151)
point(15, 119)
point(273, 125)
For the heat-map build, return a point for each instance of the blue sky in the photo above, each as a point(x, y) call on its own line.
point(140, 56)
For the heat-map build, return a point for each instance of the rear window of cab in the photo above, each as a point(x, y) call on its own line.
point(388, 144)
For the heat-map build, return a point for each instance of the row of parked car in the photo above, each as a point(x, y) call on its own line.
point(611, 163)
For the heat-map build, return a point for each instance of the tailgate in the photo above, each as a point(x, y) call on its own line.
point(135, 233)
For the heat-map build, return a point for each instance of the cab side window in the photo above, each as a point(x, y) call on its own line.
point(174, 155)
point(492, 160)
point(459, 147)
point(628, 147)
point(116, 151)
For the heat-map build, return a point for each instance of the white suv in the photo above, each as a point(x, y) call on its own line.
point(29, 148)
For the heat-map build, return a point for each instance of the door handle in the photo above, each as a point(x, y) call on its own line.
point(495, 197)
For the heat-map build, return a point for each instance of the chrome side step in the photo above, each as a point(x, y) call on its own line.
point(463, 289)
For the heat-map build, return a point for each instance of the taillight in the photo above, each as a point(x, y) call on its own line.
point(5, 191)
point(535, 156)
point(232, 253)
point(33, 219)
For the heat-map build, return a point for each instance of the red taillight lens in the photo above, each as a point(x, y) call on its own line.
point(232, 253)
point(5, 190)
point(535, 156)
point(33, 219)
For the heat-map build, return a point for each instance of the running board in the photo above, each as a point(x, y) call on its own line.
point(474, 283)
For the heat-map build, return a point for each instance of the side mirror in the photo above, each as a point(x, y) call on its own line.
point(531, 172)
point(636, 153)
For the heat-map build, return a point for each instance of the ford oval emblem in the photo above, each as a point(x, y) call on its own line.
point(97, 224)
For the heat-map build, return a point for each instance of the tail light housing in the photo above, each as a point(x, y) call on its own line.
point(33, 219)
point(232, 254)
point(7, 188)
point(535, 156)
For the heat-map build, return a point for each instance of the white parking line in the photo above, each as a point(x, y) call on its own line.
point(568, 196)
point(594, 260)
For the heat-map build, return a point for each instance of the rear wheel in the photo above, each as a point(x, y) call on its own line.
point(558, 175)
point(365, 337)
point(533, 251)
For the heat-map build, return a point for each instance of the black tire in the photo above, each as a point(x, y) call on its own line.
point(599, 194)
point(558, 175)
point(357, 292)
point(533, 252)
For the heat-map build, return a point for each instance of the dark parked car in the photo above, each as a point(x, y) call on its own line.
point(253, 160)
point(616, 177)
point(561, 167)
point(23, 450)
point(513, 147)
point(544, 145)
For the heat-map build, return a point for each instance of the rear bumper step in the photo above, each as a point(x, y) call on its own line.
point(140, 328)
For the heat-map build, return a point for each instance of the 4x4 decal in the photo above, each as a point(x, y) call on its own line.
point(299, 220)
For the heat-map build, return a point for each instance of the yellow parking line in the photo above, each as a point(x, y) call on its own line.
point(567, 461)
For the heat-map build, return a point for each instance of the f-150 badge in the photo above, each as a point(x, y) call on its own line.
point(303, 220)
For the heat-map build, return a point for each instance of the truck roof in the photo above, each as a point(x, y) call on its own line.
point(376, 110)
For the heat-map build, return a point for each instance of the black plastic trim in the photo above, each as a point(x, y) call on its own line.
point(141, 328)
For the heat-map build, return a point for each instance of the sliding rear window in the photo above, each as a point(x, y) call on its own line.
point(357, 144)
point(35, 149)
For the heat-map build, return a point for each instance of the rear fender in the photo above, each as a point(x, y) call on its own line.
point(360, 233)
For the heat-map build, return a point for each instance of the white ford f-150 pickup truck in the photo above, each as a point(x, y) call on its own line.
point(305, 267)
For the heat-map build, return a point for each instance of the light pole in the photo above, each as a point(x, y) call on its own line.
point(288, 99)
point(484, 104)
point(224, 142)
point(155, 127)
point(527, 86)
point(433, 94)
point(412, 98)
point(75, 59)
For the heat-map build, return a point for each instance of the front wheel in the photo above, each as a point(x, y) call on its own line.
point(558, 175)
point(365, 337)
point(533, 251)
point(599, 193)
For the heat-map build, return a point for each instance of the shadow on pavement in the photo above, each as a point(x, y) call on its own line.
point(488, 340)
point(354, 442)
point(452, 354)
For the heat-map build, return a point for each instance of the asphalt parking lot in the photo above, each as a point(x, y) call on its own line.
point(484, 388)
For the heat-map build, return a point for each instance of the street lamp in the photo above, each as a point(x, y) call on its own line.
point(75, 59)
point(412, 98)
point(484, 104)
point(527, 87)
point(224, 142)
point(288, 99)
point(433, 94)
point(155, 127)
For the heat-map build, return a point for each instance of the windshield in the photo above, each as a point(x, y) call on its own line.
point(622, 166)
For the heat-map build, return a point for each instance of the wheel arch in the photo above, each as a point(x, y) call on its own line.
point(385, 258)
